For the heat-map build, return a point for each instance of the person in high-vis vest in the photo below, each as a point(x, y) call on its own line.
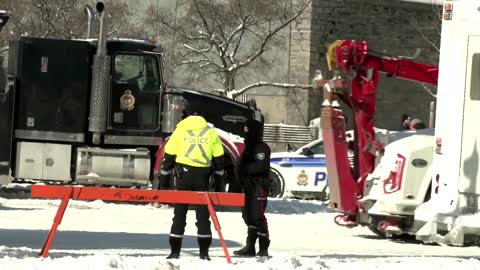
point(193, 150)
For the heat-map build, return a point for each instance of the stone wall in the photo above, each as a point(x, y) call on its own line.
point(391, 27)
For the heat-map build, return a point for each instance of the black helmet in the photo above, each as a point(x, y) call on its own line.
point(190, 108)
point(255, 131)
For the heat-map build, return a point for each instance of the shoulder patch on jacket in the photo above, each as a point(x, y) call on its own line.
point(260, 156)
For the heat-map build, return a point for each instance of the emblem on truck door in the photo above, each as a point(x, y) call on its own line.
point(127, 101)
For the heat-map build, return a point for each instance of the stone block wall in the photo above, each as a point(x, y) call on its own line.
point(392, 28)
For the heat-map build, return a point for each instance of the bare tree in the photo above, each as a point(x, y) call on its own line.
point(63, 18)
point(222, 38)
point(432, 40)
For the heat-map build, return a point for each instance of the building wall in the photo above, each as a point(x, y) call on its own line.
point(391, 27)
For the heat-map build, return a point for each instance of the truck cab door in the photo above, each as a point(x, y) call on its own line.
point(6, 125)
point(135, 92)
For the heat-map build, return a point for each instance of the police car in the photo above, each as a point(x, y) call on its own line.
point(301, 173)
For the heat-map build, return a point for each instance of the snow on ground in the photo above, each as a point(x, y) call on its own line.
point(99, 235)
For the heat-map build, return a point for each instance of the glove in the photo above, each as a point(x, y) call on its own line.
point(164, 181)
point(219, 183)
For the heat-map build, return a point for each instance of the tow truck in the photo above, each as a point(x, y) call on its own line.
point(95, 111)
point(451, 214)
point(350, 185)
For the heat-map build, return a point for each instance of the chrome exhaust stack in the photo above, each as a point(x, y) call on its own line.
point(90, 21)
point(100, 82)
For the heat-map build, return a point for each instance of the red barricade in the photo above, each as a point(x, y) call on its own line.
point(134, 195)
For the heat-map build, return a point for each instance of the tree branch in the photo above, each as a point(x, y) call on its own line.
point(198, 61)
point(202, 54)
point(429, 91)
point(270, 34)
point(181, 32)
point(235, 93)
point(248, 20)
point(417, 27)
point(199, 51)
point(210, 33)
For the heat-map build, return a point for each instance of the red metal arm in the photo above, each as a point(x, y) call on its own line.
point(353, 55)
point(347, 185)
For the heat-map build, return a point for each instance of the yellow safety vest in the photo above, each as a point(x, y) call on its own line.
point(194, 143)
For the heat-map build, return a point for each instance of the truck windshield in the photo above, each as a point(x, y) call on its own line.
point(140, 70)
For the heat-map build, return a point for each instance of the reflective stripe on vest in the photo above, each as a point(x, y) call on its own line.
point(199, 138)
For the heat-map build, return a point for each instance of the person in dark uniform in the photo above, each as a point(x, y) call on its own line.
point(405, 119)
point(192, 151)
point(253, 170)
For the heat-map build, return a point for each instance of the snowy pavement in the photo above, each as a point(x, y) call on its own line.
point(99, 235)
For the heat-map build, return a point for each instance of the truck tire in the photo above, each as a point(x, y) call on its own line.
point(375, 230)
point(373, 226)
point(277, 184)
point(156, 182)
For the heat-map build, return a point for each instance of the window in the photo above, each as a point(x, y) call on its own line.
point(139, 71)
point(317, 148)
point(475, 80)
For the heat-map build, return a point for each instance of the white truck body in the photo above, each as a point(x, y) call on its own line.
point(400, 183)
point(451, 216)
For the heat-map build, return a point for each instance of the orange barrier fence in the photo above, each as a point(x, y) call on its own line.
point(134, 195)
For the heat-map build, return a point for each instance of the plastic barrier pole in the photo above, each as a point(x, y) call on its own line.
point(216, 224)
point(56, 221)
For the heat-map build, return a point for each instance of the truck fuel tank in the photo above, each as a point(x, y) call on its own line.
point(119, 167)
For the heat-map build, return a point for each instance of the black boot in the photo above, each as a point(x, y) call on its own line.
point(263, 243)
point(175, 247)
point(204, 244)
point(249, 249)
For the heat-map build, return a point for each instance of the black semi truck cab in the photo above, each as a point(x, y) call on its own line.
point(95, 111)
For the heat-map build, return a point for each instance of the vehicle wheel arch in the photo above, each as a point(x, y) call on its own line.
point(277, 190)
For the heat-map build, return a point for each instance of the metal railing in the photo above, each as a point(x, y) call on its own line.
point(281, 133)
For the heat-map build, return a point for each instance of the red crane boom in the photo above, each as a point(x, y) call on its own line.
point(347, 185)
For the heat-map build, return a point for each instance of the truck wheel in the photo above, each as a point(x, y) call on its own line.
point(276, 185)
point(156, 182)
point(373, 226)
point(375, 230)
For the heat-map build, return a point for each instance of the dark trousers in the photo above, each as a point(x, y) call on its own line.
point(253, 212)
point(191, 179)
